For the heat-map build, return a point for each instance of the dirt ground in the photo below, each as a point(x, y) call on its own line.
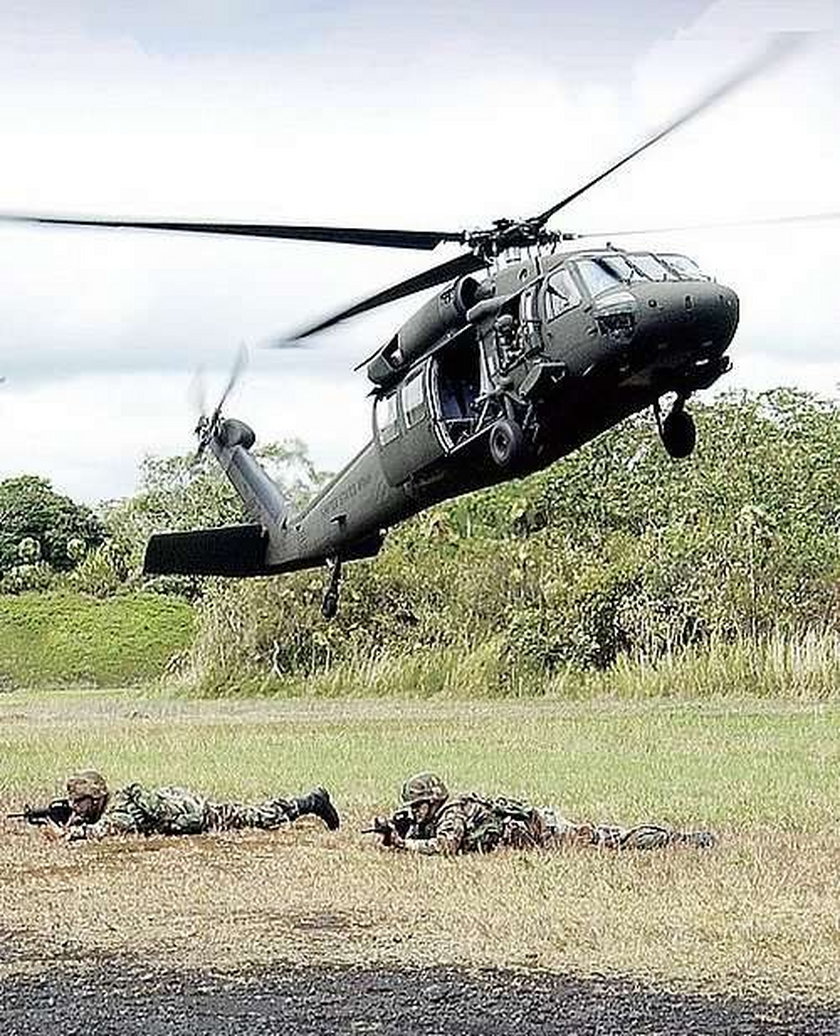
point(77, 994)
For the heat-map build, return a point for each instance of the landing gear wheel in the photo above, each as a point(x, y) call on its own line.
point(679, 433)
point(507, 443)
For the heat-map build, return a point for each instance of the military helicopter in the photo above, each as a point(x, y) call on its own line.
point(531, 349)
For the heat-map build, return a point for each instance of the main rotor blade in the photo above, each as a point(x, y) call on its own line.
point(781, 47)
point(448, 271)
point(385, 238)
point(768, 221)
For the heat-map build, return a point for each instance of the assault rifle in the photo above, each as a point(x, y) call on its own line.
point(386, 827)
point(58, 812)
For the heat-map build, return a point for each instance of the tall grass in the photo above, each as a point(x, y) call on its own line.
point(789, 665)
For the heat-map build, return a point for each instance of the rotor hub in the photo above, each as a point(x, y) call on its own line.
point(508, 234)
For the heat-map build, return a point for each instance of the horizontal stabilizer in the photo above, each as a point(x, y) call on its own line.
point(235, 550)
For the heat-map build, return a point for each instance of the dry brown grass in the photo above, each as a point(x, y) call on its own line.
point(761, 912)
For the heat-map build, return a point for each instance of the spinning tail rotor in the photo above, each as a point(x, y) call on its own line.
point(212, 426)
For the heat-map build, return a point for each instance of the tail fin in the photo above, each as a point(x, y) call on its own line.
point(230, 443)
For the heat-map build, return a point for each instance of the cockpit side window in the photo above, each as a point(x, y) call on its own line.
point(387, 421)
point(560, 294)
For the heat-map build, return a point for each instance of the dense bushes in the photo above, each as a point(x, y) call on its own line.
point(616, 552)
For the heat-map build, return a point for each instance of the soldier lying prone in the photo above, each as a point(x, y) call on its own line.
point(442, 824)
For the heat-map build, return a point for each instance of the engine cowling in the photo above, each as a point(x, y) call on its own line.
point(444, 313)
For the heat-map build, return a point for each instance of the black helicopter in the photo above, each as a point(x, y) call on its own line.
point(527, 352)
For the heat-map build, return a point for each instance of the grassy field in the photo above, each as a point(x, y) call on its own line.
point(760, 913)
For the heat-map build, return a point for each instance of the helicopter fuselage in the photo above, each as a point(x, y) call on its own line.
point(537, 348)
point(490, 380)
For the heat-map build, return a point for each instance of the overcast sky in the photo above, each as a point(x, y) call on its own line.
point(437, 115)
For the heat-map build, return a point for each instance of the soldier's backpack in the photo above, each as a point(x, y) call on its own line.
point(503, 821)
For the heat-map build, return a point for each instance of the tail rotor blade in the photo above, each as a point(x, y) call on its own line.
point(206, 427)
point(240, 362)
point(197, 392)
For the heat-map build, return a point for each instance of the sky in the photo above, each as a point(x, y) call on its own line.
point(371, 113)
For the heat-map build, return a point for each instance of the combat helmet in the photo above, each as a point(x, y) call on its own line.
point(87, 784)
point(424, 787)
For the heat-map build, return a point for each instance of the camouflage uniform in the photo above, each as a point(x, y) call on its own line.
point(178, 811)
point(471, 823)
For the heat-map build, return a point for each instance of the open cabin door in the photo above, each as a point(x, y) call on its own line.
point(456, 387)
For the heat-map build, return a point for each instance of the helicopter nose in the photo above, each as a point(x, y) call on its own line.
point(694, 314)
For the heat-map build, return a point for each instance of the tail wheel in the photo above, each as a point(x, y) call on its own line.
point(507, 443)
point(679, 433)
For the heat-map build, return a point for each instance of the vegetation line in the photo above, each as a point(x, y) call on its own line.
point(617, 572)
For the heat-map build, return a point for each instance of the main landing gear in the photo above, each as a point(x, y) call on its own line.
point(329, 604)
point(677, 430)
point(507, 443)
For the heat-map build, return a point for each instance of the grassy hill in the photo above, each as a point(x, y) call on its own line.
point(70, 638)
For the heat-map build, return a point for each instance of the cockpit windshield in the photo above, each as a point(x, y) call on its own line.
point(686, 268)
point(651, 267)
point(598, 276)
point(602, 272)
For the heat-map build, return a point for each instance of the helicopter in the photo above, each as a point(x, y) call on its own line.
point(530, 349)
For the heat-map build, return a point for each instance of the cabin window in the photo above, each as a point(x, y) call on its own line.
point(413, 400)
point(386, 419)
point(561, 294)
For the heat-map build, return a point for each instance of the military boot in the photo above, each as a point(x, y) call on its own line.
point(317, 803)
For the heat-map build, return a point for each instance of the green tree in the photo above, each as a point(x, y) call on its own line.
point(36, 523)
